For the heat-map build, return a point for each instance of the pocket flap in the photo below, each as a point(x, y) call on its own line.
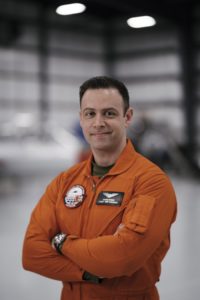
point(141, 213)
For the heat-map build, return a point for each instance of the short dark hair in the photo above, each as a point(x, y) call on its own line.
point(104, 82)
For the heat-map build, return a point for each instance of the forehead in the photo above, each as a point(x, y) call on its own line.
point(102, 98)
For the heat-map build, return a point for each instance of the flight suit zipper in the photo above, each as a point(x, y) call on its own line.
point(94, 188)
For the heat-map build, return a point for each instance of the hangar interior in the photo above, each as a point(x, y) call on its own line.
point(44, 58)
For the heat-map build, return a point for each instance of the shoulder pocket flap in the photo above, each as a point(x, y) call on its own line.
point(141, 214)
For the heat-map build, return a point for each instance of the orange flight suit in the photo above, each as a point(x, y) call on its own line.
point(118, 228)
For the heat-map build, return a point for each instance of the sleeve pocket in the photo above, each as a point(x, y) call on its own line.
point(140, 215)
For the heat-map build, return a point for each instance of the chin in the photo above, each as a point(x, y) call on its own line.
point(102, 146)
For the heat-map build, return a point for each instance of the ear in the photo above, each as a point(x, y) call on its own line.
point(128, 117)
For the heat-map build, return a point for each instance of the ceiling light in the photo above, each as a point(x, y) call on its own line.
point(70, 9)
point(140, 22)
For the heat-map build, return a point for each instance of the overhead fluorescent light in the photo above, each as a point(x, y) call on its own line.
point(70, 9)
point(141, 22)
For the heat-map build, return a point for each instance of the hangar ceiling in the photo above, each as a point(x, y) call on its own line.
point(175, 10)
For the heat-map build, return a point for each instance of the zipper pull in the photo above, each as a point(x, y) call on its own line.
point(94, 187)
point(93, 184)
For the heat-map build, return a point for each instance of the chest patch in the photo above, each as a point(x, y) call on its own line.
point(110, 198)
point(74, 196)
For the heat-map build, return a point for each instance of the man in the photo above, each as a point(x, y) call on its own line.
point(102, 227)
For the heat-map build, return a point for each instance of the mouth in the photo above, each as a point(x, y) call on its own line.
point(99, 134)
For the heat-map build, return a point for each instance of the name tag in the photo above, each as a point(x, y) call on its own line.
point(110, 198)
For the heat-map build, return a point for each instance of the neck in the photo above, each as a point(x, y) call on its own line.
point(105, 158)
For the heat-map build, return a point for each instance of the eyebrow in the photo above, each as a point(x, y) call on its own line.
point(104, 109)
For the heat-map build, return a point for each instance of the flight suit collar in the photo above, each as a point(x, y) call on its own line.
point(125, 160)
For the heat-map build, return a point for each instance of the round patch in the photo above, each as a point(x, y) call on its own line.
point(75, 196)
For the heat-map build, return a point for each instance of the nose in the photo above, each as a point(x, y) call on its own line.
point(98, 121)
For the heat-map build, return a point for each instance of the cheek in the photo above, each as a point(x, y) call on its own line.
point(82, 123)
point(121, 124)
point(85, 128)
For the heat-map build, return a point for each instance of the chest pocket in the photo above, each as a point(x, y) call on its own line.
point(138, 215)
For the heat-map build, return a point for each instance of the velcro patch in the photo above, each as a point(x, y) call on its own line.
point(110, 198)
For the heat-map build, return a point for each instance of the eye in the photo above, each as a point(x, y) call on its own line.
point(88, 114)
point(110, 113)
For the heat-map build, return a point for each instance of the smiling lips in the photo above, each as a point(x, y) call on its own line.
point(100, 133)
